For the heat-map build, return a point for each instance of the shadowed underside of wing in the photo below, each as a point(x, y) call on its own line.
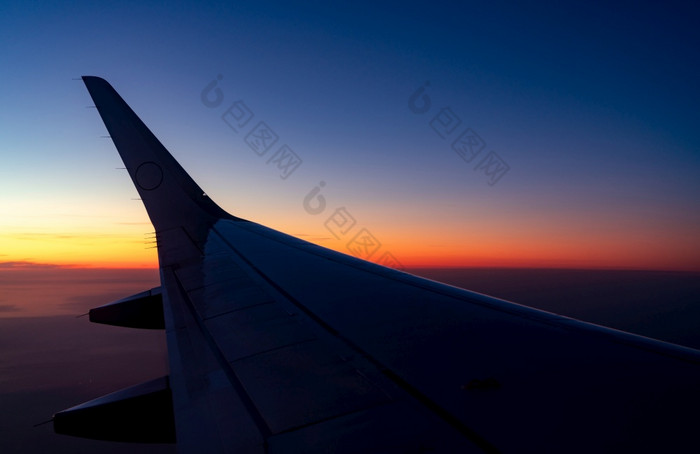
point(278, 345)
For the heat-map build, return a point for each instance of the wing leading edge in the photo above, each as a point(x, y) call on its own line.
point(278, 345)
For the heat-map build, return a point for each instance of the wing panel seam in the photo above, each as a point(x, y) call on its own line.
point(238, 386)
point(429, 404)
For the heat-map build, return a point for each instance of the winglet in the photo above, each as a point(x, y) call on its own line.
point(171, 196)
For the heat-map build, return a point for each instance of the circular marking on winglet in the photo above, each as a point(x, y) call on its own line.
point(149, 176)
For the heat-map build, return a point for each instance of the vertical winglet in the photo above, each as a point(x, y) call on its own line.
point(171, 197)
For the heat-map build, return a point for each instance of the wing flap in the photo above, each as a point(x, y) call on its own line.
point(142, 413)
point(143, 310)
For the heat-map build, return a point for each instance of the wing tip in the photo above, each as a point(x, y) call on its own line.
point(171, 197)
point(94, 80)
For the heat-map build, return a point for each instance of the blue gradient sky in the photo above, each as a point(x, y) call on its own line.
point(593, 108)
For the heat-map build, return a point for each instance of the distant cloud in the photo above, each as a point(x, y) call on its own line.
point(25, 264)
point(9, 308)
point(34, 236)
point(38, 236)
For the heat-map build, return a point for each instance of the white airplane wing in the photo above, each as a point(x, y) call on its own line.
point(277, 345)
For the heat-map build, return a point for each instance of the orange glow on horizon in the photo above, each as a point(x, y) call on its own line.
point(79, 250)
point(495, 248)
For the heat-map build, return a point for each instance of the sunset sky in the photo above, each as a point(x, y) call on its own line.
point(593, 111)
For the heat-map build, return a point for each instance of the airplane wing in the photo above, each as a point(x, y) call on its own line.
point(277, 345)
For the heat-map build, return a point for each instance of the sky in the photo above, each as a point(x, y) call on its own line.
point(496, 134)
